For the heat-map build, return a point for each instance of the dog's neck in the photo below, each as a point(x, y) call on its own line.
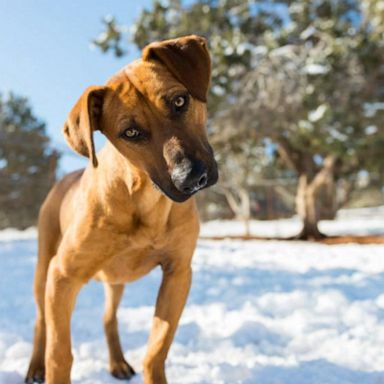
point(125, 187)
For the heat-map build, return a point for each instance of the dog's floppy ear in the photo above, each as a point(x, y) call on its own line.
point(187, 58)
point(83, 120)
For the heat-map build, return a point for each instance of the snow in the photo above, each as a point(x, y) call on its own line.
point(318, 113)
point(316, 69)
point(269, 312)
point(364, 221)
point(12, 234)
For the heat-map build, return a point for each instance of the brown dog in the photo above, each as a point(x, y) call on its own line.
point(117, 220)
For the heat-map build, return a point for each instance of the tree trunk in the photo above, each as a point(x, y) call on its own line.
point(241, 207)
point(307, 199)
point(307, 210)
point(246, 211)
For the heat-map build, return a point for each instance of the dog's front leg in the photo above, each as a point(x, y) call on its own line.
point(60, 299)
point(169, 306)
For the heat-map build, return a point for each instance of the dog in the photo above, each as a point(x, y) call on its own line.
point(132, 208)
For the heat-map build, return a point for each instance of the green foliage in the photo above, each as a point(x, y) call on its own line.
point(321, 92)
point(27, 163)
point(374, 16)
point(110, 39)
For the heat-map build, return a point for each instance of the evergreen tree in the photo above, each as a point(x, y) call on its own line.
point(27, 163)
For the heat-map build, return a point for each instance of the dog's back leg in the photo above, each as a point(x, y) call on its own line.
point(49, 236)
point(119, 367)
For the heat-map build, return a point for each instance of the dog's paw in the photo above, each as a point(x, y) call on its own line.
point(35, 374)
point(122, 370)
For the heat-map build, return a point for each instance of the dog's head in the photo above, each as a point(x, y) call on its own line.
point(154, 113)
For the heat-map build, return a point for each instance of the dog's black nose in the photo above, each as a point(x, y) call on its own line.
point(189, 177)
point(194, 183)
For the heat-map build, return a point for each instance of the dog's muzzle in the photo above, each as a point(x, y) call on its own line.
point(189, 176)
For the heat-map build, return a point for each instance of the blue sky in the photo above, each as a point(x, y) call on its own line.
point(45, 55)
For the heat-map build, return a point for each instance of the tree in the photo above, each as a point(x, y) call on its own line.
point(318, 99)
point(306, 74)
point(27, 163)
point(319, 122)
point(243, 170)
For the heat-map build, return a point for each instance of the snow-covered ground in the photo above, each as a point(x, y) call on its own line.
point(264, 312)
point(363, 221)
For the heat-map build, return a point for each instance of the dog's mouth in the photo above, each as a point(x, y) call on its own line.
point(176, 196)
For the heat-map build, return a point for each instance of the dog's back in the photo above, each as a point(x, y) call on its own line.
point(49, 216)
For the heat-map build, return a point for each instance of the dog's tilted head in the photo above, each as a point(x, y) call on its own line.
point(154, 113)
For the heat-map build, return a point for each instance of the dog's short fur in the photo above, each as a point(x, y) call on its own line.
point(130, 210)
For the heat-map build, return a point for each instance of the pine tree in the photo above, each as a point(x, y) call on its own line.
point(27, 163)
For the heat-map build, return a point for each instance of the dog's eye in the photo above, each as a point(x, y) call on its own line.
point(132, 133)
point(179, 103)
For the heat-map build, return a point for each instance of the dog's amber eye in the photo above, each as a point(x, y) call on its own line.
point(179, 104)
point(132, 133)
point(179, 101)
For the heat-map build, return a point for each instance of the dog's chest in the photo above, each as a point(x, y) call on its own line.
point(135, 253)
point(128, 266)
